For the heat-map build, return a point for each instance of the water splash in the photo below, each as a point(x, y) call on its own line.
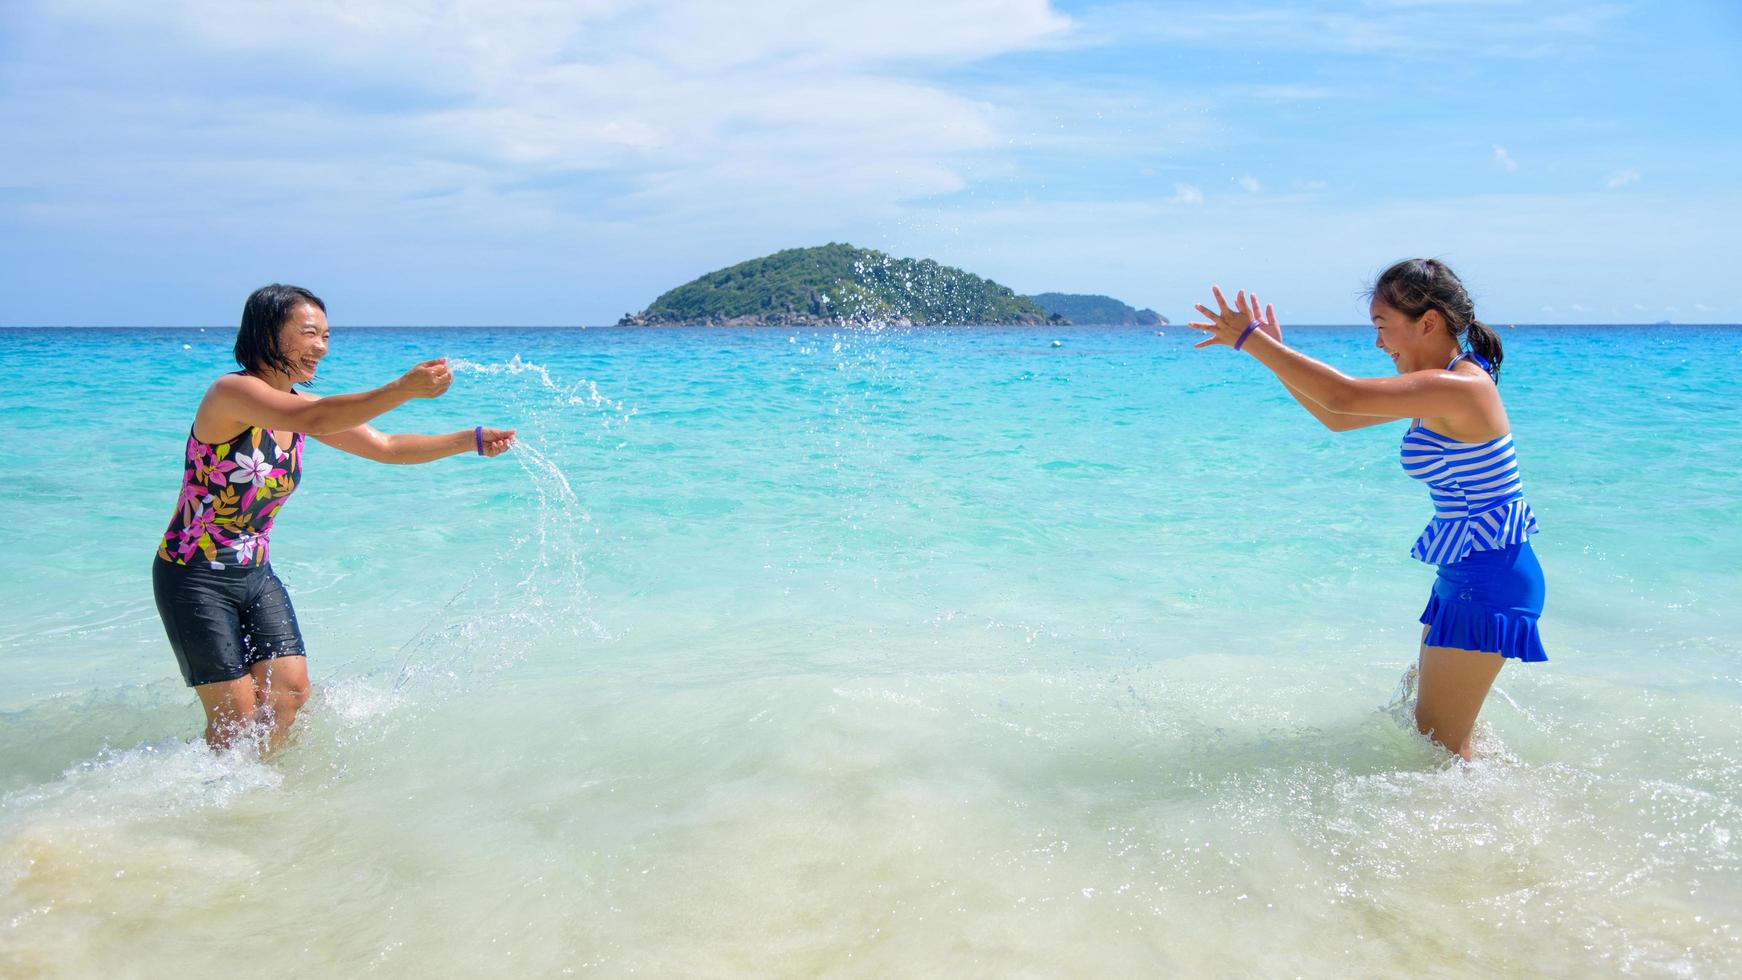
point(534, 586)
point(1401, 707)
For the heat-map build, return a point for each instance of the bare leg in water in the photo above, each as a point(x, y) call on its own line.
point(265, 702)
point(1451, 688)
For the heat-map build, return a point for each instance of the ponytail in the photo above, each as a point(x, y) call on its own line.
point(1415, 286)
point(1484, 341)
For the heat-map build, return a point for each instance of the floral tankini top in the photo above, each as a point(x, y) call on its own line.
point(230, 492)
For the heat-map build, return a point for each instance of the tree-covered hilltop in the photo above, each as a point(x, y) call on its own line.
point(1092, 308)
point(838, 283)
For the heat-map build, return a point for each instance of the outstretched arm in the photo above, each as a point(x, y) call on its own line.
point(1338, 421)
point(236, 401)
point(383, 447)
point(1416, 394)
point(1334, 421)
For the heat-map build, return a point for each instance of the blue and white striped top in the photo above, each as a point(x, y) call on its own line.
point(1478, 496)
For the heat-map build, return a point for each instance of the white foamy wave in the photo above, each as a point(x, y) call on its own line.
point(357, 702)
point(112, 837)
point(164, 777)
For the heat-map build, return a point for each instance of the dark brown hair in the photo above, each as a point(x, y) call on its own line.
point(1415, 286)
point(263, 316)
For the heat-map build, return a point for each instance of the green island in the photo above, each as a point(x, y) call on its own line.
point(1096, 309)
point(840, 283)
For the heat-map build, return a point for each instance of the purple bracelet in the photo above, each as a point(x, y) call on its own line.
point(478, 437)
point(1246, 333)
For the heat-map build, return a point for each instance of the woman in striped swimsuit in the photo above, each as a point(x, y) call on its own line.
point(1489, 594)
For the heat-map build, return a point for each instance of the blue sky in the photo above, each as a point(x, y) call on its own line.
point(546, 162)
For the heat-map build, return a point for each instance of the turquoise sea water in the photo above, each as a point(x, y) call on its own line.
point(876, 652)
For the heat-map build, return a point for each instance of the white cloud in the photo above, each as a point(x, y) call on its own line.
point(1504, 159)
point(1186, 194)
point(1621, 179)
point(702, 34)
point(535, 154)
point(494, 41)
point(1544, 29)
point(679, 104)
point(1249, 184)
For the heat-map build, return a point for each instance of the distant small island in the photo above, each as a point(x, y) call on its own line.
point(1092, 308)
point(829, 285)
point(838, 283)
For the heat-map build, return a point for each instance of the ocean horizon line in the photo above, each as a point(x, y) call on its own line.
point(1037, 327)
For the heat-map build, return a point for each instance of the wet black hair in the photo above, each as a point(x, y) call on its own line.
point(1415, 286)
point(263, 316)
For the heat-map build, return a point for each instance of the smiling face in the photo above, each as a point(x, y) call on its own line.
point(303, 341)
point(1407, 340)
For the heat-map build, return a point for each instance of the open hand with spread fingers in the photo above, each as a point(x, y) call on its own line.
point(1233, 326)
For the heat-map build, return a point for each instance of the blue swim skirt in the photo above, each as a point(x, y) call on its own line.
point(1488, 602)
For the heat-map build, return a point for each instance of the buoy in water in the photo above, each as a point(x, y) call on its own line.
point(1058, 343)
point(187, 347)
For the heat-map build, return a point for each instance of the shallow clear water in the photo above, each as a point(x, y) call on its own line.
point(877, 652)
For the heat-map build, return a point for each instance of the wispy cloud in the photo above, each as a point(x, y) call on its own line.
point(1621, 179)
point(1504, 159)
point(1186, 194)
point(1249, 184)
point(682, 101)
point(1504, 29)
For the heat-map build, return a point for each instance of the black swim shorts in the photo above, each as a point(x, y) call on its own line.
point(221, 621)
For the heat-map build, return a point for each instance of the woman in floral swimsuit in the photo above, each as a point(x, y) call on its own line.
point(227, 615)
